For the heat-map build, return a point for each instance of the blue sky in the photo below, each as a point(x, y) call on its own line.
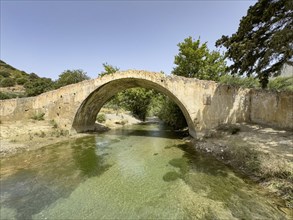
point(48, 37)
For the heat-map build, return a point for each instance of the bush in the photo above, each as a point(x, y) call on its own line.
point(247, 82)
point(39, 116)
point(21, 81)
point(5, 96)
point(135, 100)
point(38, 86)
point(172, 115)
point(7, 82)
point(70, 77)
point(281, 83)
point(4, 74)
point(54, 124)
point(101, 118)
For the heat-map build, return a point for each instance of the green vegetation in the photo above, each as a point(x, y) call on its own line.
point(109, 69)
point(21, 81)
point(7, 71)
point(31, 84)
point(70, 77)
point(54, 124)
point(171, 114)
point(262, 43)
point(7, 82)
point(4, 74)
point(281, 84)
point(194, 60)
point(10, 95)
point(135, 100)
point(39, 116)
point(275, 84)
point(101, 118)
point(59, 132)
point(246, 82)
point(171, 176)
point(38, 86)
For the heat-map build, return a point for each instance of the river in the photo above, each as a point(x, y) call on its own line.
point(138, 172)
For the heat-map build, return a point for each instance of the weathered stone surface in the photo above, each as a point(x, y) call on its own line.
point(272, 108)
point(205, 104)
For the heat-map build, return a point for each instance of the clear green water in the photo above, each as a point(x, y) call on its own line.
point(142, 172)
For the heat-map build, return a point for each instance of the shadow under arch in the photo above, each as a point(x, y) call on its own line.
point(85, 117)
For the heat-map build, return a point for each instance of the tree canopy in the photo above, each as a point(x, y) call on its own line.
point(195, 60)
point(263, 42)
point(70, 77)
point(38, 86)
point(109, 69)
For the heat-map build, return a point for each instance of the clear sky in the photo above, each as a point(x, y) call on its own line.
point(48, 37)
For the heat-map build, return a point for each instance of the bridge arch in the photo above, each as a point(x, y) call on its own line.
point(85, 117)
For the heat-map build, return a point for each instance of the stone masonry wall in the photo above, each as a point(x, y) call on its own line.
point(205, 104)
point(272, 108)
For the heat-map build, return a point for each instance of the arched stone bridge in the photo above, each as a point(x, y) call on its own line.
point(205, 104)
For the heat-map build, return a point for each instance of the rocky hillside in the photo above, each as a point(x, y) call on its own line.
point(17, 83)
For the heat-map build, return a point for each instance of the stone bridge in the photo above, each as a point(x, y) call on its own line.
point(205, 104)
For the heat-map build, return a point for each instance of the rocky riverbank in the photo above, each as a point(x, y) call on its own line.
point(262, 153)
point(18, 136)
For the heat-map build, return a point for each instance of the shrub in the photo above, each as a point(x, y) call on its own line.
point(4, 95)
point(7, 82)
point(4, 74)
point(172, 115)
point(21, 81)
point(38, 86)
point(39, 116)
point(54, 124)
point(281, 83)
point(101, 118)
point(247, 82)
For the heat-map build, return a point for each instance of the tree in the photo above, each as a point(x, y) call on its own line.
point(172, 115)
point(135, 100)
point(38, 86)
point(71, 77)
point(263, 42)
point(195, 60)
point(109, 69)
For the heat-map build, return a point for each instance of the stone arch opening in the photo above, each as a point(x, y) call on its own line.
point(85, 116)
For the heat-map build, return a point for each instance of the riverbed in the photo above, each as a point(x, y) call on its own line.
point(136, 172)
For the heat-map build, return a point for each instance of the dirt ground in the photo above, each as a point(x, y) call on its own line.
point(262, 153)
point(31, 134)
point(265, 139)
point(28, 135)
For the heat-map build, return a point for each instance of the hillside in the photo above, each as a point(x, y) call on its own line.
point(7, 71)
point(17, 83)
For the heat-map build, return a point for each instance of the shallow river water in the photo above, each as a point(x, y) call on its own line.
point(139, 172)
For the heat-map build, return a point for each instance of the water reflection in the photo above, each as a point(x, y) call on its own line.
point(41, 177)
point(15, 191)
point(86, 158)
